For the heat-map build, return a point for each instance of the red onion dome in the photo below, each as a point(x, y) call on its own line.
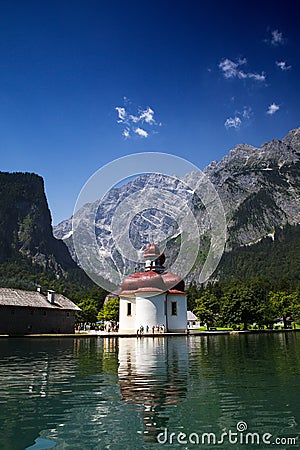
point(152, 251)
point(173, 281)
point(129, 284)
point(151, 279)
point(143, 281)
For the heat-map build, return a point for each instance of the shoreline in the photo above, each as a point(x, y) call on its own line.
point(146, 335)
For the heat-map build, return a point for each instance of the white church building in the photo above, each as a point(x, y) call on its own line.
point(153, 298)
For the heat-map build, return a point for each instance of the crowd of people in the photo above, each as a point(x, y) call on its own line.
point(114, 327)
point(159, 328)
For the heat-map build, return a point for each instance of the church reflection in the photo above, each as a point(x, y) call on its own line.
point(69, 386)
point(153, 375)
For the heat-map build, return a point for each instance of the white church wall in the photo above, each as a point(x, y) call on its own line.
point(177, 322)
point(127, 322)
point(150, 310)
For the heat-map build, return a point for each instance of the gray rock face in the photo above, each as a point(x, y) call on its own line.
point(259, 189)
point(151, 223)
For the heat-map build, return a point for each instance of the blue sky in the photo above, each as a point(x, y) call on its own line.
point(85, 82)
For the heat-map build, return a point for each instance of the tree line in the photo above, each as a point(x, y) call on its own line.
point(241, 303)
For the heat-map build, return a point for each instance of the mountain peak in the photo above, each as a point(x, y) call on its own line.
point(270, 154)
point(292, 139)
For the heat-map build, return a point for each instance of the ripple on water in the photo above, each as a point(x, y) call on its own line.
point(120, 393)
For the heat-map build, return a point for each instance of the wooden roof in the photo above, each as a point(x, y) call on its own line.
point(34, 299)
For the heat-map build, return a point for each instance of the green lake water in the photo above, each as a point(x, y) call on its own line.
point(229, 391)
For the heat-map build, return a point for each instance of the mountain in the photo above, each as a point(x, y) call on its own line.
point(25, 224)
point(147, 224)
point(29, 253)
point(276, 257)
point(259, 189)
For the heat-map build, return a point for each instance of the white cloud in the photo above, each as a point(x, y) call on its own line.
point(233, 69)
point(141, 132)
point(126, 133)
point(240, 118)
point(121, 113)
point(282, 65)
point(131, 118)
point(247, 112)
point(273, 108)
point(257, 76)
point(277, 38)
point(147, 115)
point(233, 122)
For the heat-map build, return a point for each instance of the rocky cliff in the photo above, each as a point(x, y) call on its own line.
point(259, 188)
point(25, 224)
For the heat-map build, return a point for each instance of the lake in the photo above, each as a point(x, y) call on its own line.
point(218, 391)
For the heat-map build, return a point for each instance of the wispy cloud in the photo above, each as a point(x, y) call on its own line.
point(273, 108)
point(121, 113)
point(257, 76)
point(231, 69)
point(126, 133)
point(247, 112)
point(239, 119)
point(147, 116)
point(283, 65)
point(234, 69)
point(233, 122)
point(136, 121)
point(277, 38)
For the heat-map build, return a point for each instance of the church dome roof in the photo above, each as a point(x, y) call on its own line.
point(173, 281)
point(143, 281)
point(152, 278)
point(152, 251)
point(151, 281)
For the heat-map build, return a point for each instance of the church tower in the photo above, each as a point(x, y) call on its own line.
point(153, 297)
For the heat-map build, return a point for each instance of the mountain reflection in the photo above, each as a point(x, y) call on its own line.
point(153, 374)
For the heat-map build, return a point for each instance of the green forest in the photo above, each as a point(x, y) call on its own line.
point(256, 303)
point(273, 259)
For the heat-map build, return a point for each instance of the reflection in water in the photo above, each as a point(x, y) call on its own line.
point(253, 378)
point(53, 389)
point(119, 393)
point(153, 374)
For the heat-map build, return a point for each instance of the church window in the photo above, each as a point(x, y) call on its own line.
point(128, 309)
point(174, 308)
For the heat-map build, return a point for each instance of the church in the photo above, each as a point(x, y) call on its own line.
point(153, 297)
